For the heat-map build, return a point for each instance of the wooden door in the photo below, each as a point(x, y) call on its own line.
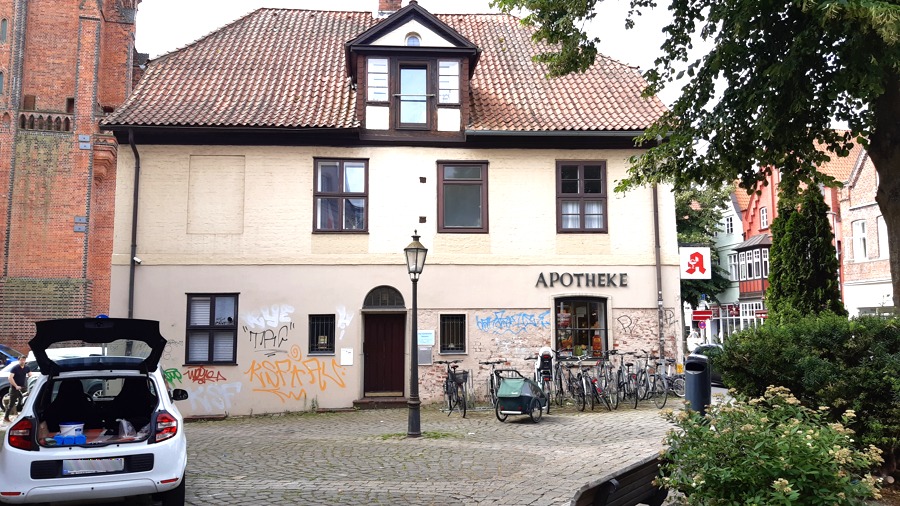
point(383, 349)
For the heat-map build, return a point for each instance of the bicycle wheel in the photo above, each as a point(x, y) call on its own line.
point(589, 391)
point(578, 394)
point(546, 387)
point(449, 396)
point(677, 386)
point(660, 391)
point(633, 390)
point(558, 391)
point(611, 392)
point(491, 391)
point(643, 385)
point(500, 416)
point(461, 398)
point(622, 385)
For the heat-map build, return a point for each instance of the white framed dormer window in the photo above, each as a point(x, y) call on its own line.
point(377, 80)
point(859, 241)
point(765, 263)
point(448, 82)
point(763, 217)
point(742, 262)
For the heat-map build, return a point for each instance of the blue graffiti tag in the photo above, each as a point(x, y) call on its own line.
point(502, 323)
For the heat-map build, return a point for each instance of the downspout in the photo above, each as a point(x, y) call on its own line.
point(659, 296)
point(134, 221)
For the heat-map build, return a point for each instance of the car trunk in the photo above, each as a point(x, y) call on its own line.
point(107, 408)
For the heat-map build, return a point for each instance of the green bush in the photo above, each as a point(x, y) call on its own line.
point(769, 450)
point(826, 360)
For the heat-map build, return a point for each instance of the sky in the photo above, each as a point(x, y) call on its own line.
point(166, 25)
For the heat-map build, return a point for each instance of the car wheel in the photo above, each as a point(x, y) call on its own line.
point(95, 391)
point(174, 497)
point(4, 395)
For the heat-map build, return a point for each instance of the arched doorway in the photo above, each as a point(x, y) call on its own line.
point(384, 328)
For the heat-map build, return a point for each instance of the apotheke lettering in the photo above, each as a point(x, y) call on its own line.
point(583, 279)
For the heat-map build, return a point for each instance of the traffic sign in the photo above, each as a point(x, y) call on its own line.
point(700, 315)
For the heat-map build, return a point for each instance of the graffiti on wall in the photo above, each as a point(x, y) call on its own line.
point(202, 375)
point(268, 317)
point(214, 397)
point(170, 347)
point(499, 322)
point(269, 328)
point(344, 318)
point(295, 377)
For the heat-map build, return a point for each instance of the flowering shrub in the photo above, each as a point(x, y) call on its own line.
point(766, 451)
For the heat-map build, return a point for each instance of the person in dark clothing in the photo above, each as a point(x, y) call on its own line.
point(18, 383)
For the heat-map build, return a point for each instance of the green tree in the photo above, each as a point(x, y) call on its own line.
point(804, 265)
point(788, 69)
point(698, 212)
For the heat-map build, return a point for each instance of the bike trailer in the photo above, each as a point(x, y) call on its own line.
point(519, 395)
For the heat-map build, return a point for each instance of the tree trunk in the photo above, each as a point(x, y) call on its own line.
point(884, 148)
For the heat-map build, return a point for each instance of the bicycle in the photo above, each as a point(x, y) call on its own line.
point(602, 387)
point(543, 374)
point(674, 380)
point(575, 386)
point(651, 382)
point(454, 387)
point(626, 379)
point(590, 384)
point(493, 383)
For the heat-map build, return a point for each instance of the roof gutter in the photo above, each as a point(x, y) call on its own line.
point(557, 133)
point(659, 289)
point(134, 222)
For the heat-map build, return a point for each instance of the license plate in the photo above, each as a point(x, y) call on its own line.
point(92, 466)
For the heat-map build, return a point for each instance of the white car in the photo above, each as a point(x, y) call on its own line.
point(129, 440)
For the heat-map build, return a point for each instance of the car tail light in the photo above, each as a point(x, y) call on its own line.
point(21, 435)
point(166, 426)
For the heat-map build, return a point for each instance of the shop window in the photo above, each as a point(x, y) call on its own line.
point(453, 333)
point(462, 199)
point(341, 195)
point(321, 333)
point(212, 329)
point(581, 326)
point(581, 197)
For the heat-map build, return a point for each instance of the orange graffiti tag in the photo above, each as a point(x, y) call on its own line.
point(285, 378)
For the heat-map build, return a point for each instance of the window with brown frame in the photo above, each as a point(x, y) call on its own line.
point(413, 96)
point(341, 195)
point(212, 329)
point(581, 196)
point(462, 197)
point(414, 88)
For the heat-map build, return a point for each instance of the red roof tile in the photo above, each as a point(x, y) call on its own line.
point(286, 68)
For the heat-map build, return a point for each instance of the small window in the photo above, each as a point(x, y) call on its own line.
point(859, 241)
point(2, 82)
point(4, 27)
point(749, 259)
point(729, 225)
point(341, 196)
point(28, 103)
point(448, 82)
point(377, 80)
point(733, 266)
point(462, 199)
point(765, 263)
point(321, 333)
point(742, 262)
point(413, 39)
point(757, 264)
point(453, 333)
point(212, 329)
point(882, 238)
point(70, 105)
point(763, 217)
point(581, 196)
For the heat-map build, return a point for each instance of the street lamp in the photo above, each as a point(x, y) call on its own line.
point(415, 262)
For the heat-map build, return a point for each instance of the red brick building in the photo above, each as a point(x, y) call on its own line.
point(64, 64)
point(867, 272)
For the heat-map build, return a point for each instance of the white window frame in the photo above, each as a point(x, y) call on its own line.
point(742, 262)
point(765, 263)
point(757, 265)
point(729, 225)
point(733, 266)
point(763, 217)
point(859, 241)
point(883, 251)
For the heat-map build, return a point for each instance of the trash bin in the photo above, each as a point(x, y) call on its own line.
point(697, 382)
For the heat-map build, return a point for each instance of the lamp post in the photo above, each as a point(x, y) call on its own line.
point(415, 262)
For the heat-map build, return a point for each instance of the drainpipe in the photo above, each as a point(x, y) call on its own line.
point(659, 296)
point(134, 218)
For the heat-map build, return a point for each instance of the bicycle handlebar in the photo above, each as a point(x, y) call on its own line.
point(445, 361)
point(495, 362)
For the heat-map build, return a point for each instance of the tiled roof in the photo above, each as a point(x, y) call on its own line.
point(840, 167)
point(286, 68)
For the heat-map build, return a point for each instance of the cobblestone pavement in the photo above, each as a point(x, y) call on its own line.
point(364, 457)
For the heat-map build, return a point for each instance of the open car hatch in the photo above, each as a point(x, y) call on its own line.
point(126, 343)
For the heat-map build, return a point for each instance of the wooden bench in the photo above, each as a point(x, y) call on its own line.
point(627, 487)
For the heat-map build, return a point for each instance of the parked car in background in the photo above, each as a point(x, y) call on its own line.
point(710, 351)
point(8, 355)
point(128, 441)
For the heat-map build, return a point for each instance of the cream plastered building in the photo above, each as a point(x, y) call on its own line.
point(264, 199)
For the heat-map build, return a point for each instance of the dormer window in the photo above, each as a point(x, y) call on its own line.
point(414, 96)
point(414, 40)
